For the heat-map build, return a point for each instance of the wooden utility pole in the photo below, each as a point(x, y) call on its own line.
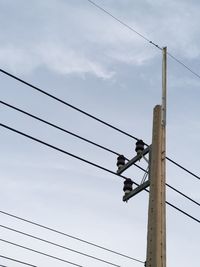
point(156, 236)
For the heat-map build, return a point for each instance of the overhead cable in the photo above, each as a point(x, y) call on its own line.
point(175, 189)
point(40, 252)
point(143, 37)
point(88, 141)
point(182, 211)
point(58, 127)
point(69, 236)
point(74, 156)
point(183, 168)
point(184, 65)
point(61, 150)
point(65, 103)
point(87, 114)
point(18, 261)
point(124, 24)
point(182, 194)
point(58, 245)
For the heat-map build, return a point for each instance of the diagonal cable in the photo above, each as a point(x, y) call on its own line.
point(66, 103)
point(77, 157)
point(58, 127)
point(18, 261)
point(57, 245)
point(87, 114)
point(183, 168)
point(69, 236)
point(124, 24)
point(88, 141)
point(174, 189)
point(143, 37)
point(40, 252)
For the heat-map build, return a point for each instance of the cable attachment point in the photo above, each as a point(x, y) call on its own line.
point(120, 161)
point(139, 147)
point(128, 186)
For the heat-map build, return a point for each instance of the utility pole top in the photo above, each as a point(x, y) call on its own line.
point(164, 87)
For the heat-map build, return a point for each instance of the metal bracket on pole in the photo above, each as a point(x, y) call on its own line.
point(133, 160)
point(136, 190)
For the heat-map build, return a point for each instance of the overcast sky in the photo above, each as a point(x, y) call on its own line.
point(76, 52)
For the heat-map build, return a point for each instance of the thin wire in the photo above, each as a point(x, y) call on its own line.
point(59, 128)
point(91, 163)
point(184, 195)
point(58, 245)
point(88, 141)
point(183, 168)
point(74, 156)
point(64, 130)
point(63, 151)
point(174, 189)
point(69, 236)
point(183, 65)
point(67, 104)
point(39, 252)
point(87, 114)
point(182, 211)
point(124, 24)
point(18, 261)
point(149, 41)
point(144, 37)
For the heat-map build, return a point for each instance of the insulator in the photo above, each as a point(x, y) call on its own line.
point(139, 147)
point(128, 186)
point(120, 161)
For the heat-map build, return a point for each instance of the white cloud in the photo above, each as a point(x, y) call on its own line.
point(67, 61)
point(85, 41)
point(17, 59)
point(53, 57)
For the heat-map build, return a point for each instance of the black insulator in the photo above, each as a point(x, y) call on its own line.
point(139, 146)
point(128, 185)
point(121, 161)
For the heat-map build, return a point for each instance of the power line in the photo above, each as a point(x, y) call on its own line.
point(74, 156)
point(143, 37)
point(59, 128)
point(151, 42)
point(69, 236)
point(18, 261)
point(182, 194)
point(124, 24)
point(87, 114)
point(41, 253)
point(183, 168)
point(65, 103)
point(58, 245)
point(86, 140)
point(64, 130)
point(174, 189)
point(63, 151)
point(182, 211)
point(184, 65)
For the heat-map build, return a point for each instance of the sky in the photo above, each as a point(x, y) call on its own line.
point(73, 50)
